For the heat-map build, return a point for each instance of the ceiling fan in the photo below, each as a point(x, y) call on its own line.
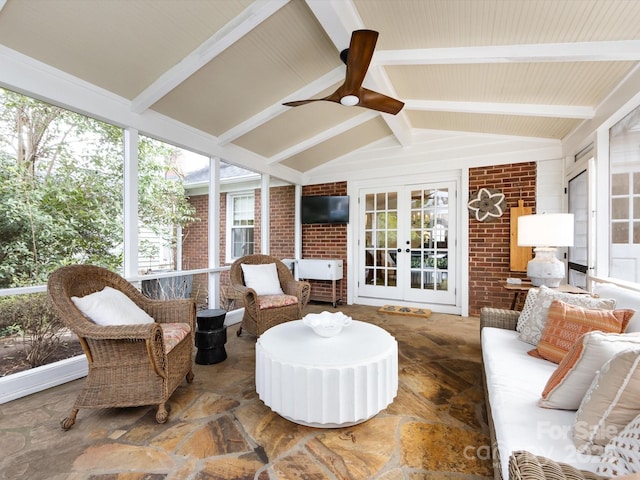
point(357, 58)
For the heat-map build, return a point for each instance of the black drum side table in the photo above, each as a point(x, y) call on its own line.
point(211, 335)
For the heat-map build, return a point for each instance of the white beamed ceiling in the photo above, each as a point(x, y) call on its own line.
point(481, 73)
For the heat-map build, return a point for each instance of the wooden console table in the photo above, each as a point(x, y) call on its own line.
point(520, 292)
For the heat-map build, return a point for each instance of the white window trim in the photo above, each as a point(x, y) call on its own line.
point(229, 221)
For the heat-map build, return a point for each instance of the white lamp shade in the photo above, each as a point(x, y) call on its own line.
point(546, 230)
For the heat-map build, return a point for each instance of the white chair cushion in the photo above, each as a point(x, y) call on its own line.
point(111, 307)
point(262, 278)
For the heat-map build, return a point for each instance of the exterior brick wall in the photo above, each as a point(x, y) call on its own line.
point(194, 247)
point(489, 242)
point(326, 241)
point(282, 201)
point(195, 254)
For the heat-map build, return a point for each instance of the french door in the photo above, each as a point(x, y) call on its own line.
point(407, 243)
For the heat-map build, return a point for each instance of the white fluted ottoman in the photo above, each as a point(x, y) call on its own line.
point(326, 382)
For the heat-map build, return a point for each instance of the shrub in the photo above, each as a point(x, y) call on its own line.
point(33, 316)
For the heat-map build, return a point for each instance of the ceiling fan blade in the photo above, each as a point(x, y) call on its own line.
point(334, 97)
point(363, 43)
point(297, 103)
point(378, 101)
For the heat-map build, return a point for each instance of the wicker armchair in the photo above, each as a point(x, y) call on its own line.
point(128, 365)
point(259, 318)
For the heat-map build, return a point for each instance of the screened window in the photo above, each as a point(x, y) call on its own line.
point(240, 227)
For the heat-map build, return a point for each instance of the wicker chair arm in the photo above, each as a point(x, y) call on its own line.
point(182, 310)
point(498, 318)
point(296, 288)
point(143, 331)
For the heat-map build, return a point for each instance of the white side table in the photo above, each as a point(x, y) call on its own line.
point(326, 382)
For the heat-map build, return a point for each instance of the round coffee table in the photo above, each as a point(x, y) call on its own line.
point(326, 382)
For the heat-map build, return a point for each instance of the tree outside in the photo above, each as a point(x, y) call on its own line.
point(61, 189)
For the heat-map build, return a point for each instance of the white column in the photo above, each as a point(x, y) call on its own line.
point(264, 208)
point(213, 234)
point(130, 210)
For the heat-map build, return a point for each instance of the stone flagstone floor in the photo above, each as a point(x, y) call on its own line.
point(219, 429)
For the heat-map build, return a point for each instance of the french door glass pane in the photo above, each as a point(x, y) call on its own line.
point(381, 238)
point(429, 239)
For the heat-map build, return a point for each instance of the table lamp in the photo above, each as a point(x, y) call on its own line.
point(545, 232)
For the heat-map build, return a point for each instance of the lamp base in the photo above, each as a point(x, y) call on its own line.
point(545, 268)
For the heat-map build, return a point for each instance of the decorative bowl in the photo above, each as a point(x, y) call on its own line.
point(326, 324)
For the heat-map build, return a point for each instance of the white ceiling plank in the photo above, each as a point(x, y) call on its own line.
point(321, 137)
point(535, 110)
point(628, 50)
point(339, 18)
point(209, 49)
point(308, 91)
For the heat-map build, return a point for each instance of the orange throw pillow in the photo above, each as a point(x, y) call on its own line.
point(566, 324)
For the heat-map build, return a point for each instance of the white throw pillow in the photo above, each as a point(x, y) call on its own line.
point(568, 384)
point(262, 278)
point(111, 307)
point(622, 454)
point(610, 403)
point(534, 317)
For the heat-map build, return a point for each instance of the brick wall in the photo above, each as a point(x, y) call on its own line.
point(194, 253)
point(326, 241)
point(489, 241)
point(282, 202)
point(194, 247)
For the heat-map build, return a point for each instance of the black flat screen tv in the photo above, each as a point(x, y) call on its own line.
point(325, 209)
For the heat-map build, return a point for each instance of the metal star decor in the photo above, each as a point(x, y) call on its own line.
point(487, 204)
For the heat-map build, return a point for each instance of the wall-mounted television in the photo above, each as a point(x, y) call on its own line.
point(325, 209)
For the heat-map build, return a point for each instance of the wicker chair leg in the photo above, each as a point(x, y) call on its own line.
point(190, 376)
point(67, 423)
point(162, 415)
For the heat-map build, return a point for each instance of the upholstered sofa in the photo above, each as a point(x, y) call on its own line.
point(551, 437)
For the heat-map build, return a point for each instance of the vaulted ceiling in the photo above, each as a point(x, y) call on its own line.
point(520, 68)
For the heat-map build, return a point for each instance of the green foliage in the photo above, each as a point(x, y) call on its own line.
point(61, 189)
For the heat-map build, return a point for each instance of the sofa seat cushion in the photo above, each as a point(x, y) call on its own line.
point(515, 381)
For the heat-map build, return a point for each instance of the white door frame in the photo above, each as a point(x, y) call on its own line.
point(461, 179)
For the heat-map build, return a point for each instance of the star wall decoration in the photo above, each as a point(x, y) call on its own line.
point(487, 204)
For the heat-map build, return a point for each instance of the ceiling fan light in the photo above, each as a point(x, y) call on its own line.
point(349, 100)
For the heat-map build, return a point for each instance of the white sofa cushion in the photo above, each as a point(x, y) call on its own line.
point(111, 307)
point(514, 382)
point(625, 298)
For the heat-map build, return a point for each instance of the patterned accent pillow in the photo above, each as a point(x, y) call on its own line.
point(534, 313)
point(610, 403)
point(571, 380)
point(271, 301)
point(622, 454)
point(566, 323)
point(173, 333)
